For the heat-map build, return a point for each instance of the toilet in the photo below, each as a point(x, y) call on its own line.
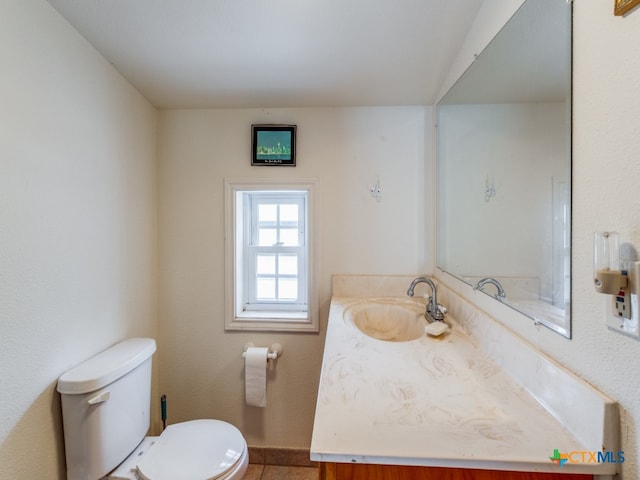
point(106, 416)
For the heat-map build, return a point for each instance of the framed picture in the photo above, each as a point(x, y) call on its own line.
point(623, 6)
point(273, 145)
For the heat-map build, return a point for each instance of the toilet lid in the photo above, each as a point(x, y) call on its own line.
point(195, 450)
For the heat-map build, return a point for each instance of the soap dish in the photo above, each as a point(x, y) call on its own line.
point(436, 329)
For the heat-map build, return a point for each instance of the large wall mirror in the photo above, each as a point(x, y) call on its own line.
point(504, 167)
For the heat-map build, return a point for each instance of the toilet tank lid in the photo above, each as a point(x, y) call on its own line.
point(106, 367)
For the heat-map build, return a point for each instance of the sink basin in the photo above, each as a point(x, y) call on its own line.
point(391, 322)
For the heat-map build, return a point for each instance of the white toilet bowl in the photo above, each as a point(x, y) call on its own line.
point(194, 450)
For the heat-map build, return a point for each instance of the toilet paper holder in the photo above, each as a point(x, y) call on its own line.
point(275, 350)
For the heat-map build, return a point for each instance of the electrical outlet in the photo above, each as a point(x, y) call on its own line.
point(618, 323)
point(621, 305)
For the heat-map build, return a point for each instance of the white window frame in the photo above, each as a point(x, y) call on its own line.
point(241, 311)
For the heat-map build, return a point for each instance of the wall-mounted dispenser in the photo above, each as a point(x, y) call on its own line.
point(619, 277)
point(607, 276)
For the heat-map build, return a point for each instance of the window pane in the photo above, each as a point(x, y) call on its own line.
point(266, 264)
point(289, 237)
point(288, 264)
point(287, 289)
point(266, 288)
point(289, 213)
point(267, 237)
point(267, 213)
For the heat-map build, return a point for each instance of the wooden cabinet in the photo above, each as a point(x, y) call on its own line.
point(359, 471)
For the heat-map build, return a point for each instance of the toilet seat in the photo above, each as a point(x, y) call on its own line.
point(194, 450)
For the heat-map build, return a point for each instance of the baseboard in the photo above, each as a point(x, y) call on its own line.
point(290, 457)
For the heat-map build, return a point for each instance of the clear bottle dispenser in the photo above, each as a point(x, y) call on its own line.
point(607, 276)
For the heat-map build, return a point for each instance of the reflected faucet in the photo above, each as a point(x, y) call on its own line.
point(488, 280)
point(434, 311)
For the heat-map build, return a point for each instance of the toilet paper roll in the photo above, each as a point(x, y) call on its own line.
point(255, 376)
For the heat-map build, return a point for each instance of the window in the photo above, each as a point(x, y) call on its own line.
point(269, 256)
point(275, 250)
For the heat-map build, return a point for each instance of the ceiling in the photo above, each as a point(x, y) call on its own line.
point(277, 53)
point(529, 60)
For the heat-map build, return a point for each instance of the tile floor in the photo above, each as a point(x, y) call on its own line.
point(278, 472)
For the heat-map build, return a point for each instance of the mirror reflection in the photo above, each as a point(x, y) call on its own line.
point(504, 167)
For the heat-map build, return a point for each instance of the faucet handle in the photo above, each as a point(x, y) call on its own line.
point(442, 309)
point(428, 298)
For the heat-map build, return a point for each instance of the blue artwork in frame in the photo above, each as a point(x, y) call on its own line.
point(273, 145)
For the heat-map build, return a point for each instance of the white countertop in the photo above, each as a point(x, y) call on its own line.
point(430, 402)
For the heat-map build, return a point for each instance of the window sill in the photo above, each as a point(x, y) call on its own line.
point(271, 321)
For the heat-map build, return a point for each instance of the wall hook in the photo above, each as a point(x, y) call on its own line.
point(376, 190)
point(489, 189)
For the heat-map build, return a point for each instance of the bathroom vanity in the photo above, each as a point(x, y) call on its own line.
point(444, 407)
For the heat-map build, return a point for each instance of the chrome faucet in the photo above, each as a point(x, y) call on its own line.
point(488, 280)
point(434, 311)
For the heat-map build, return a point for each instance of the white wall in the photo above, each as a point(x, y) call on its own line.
point(347, 150)
point(77, 224)
point(606, 148)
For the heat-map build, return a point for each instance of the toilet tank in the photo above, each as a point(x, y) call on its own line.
point(106, 408)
